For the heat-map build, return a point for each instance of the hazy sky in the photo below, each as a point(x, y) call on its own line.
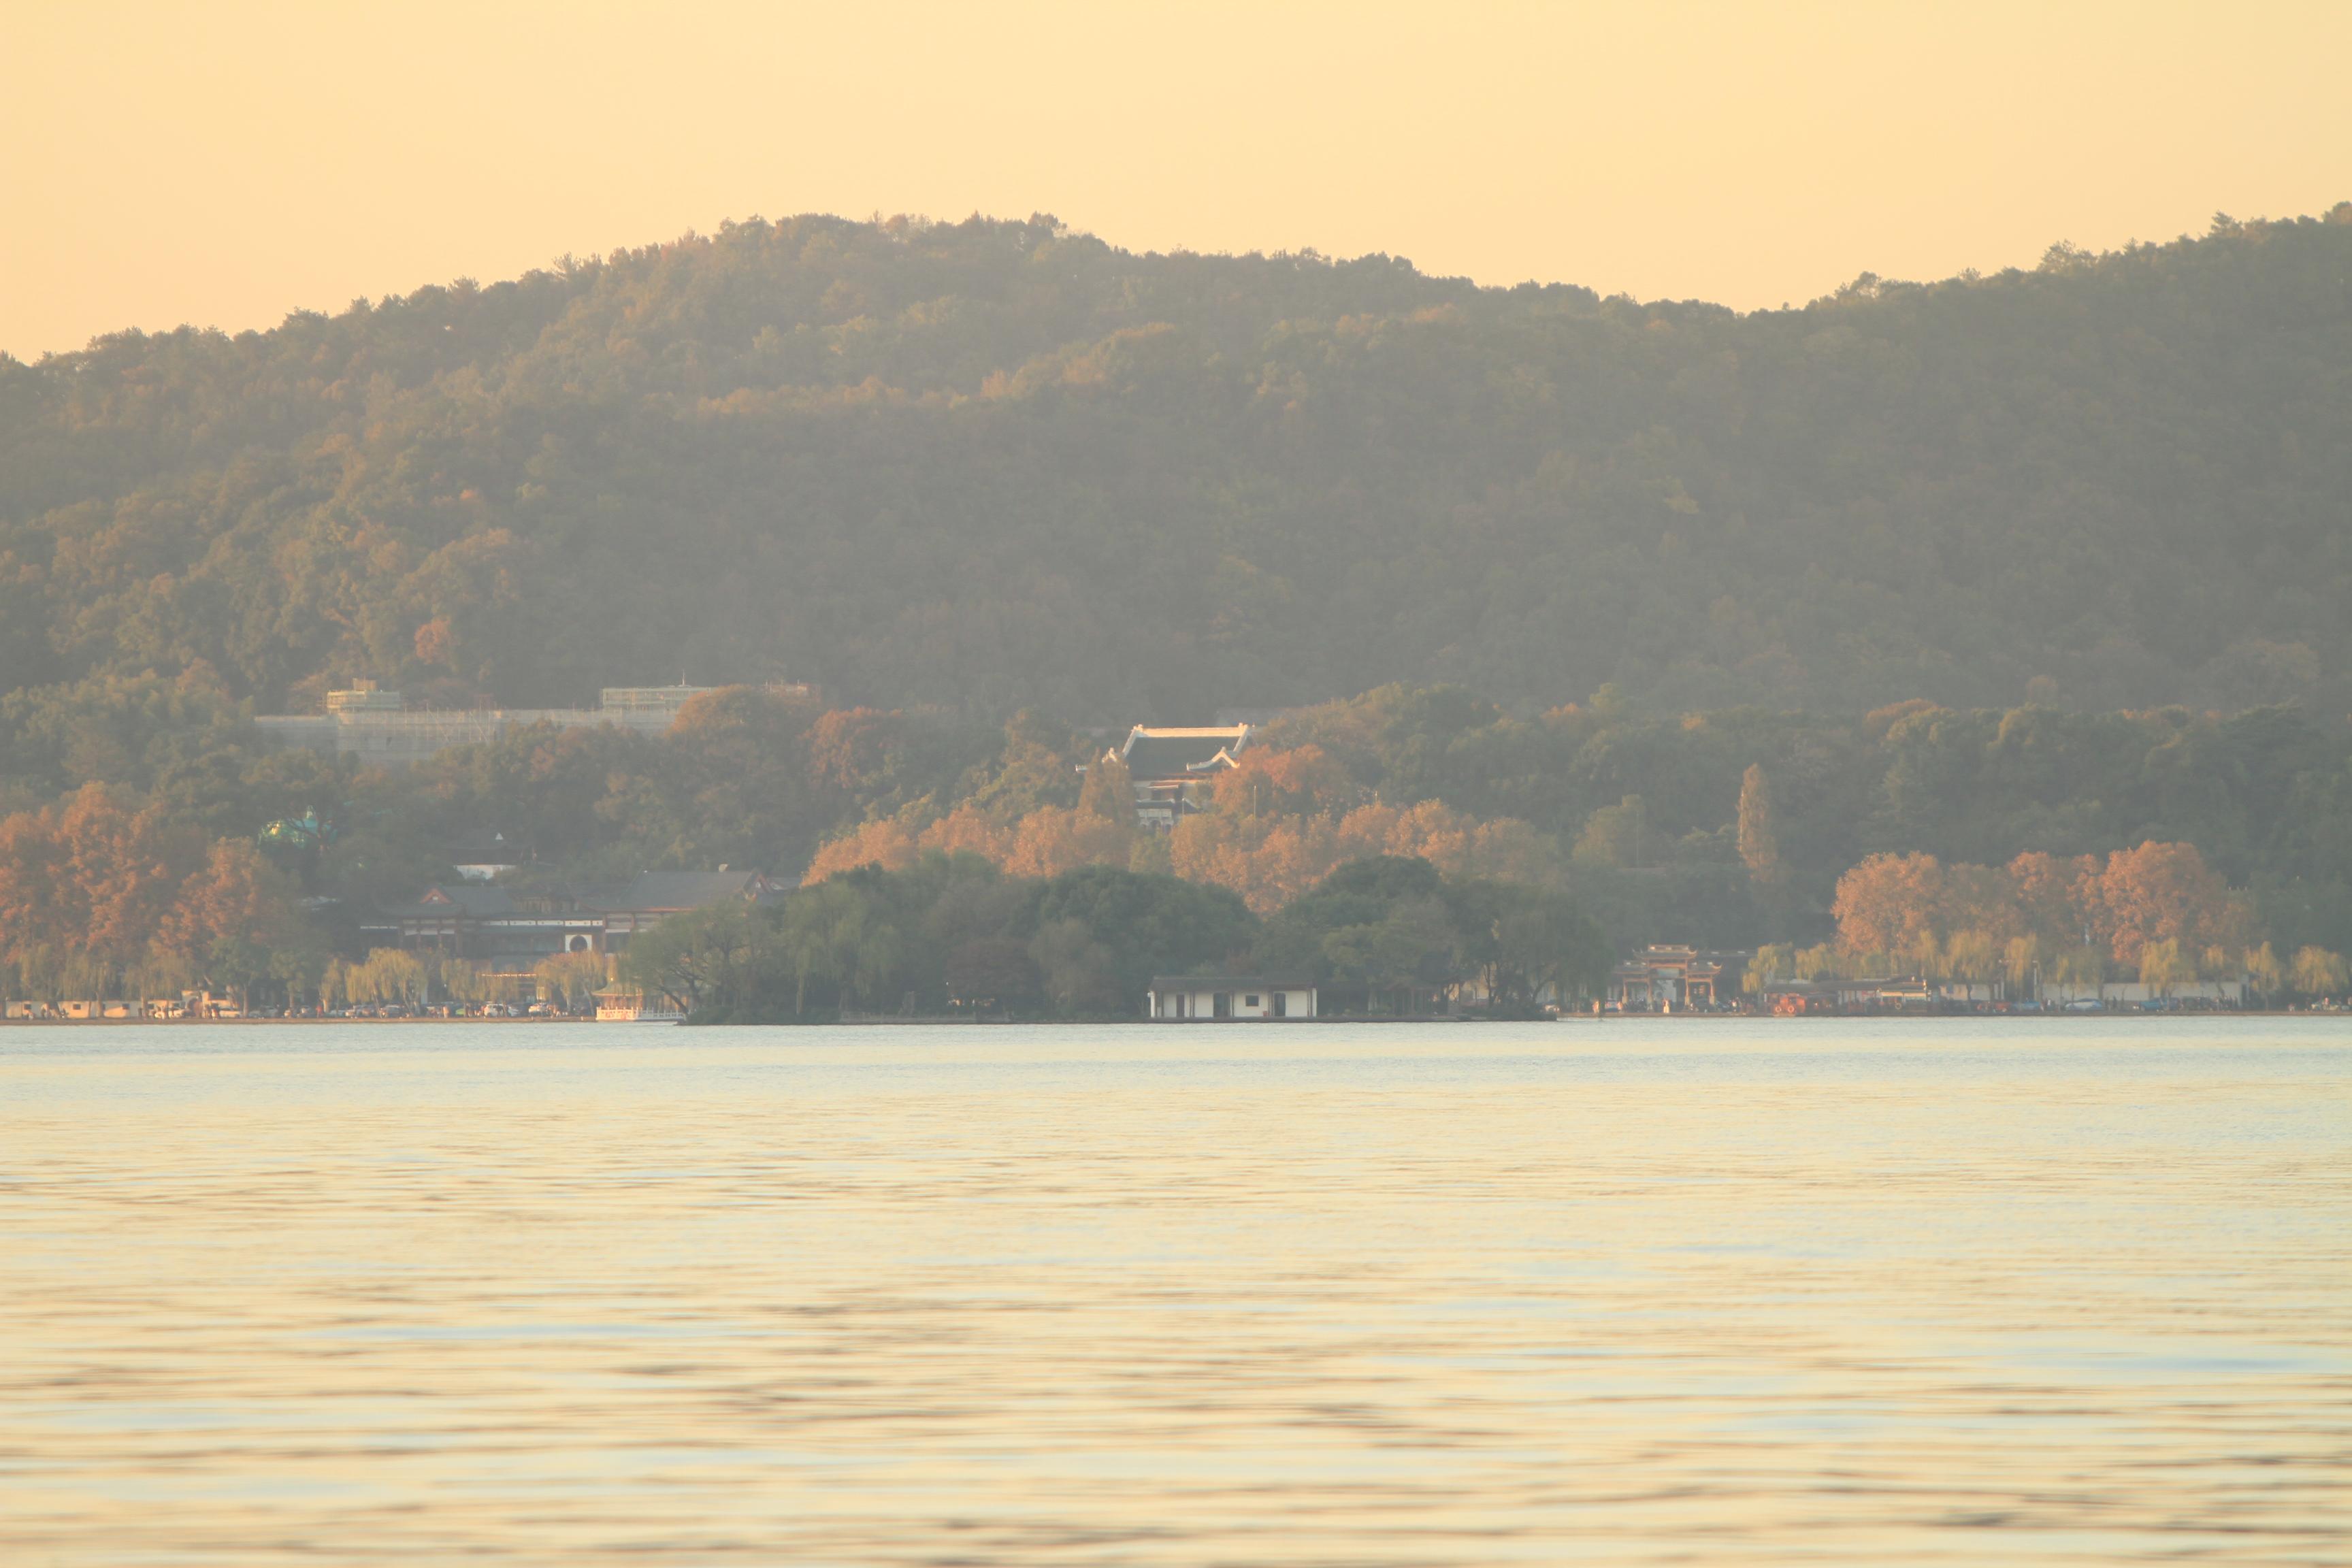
point(223, 164)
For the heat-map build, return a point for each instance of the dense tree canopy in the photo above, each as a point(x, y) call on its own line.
point(952, 932)
point(997, 464)
point(1729, 828)
point(1683, 613)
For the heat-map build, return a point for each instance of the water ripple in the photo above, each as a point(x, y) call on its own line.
point(1772, 1293)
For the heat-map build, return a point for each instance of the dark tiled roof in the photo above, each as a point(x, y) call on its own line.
point(474, 901)
point(558, 898)
point(1178, 754)
point(688, 889)
point(1229, 983)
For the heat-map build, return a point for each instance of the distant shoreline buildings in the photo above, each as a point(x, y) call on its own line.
point(511, 928)
point(1668, 978)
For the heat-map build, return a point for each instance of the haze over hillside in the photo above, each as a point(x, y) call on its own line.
point(1001, 464)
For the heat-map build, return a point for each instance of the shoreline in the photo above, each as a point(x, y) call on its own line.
point(948, 1022)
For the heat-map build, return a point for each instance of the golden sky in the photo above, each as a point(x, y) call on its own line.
point(223, 164)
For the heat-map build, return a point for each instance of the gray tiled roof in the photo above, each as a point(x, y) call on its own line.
point(1167, 756)
point(1229, 983)
point(474, 901)
point(686, 889)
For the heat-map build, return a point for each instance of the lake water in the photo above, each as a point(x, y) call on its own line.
point(1781, 1291)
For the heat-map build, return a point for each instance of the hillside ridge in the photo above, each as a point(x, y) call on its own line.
point(996, 464)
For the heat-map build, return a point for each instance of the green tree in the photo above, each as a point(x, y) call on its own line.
point(1540, 942)
point(1148, 924)
point(990, 972)
point(1414, 947)
point(235, 965)
point(1080, 975)
point(571, 980)
point(710, 958)
point(1759, 846)
point(1772, 964)
point(1613, 835)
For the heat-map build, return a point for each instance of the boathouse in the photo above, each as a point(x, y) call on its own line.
point(1214, 997)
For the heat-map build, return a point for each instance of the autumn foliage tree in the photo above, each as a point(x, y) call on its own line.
point(1281, 822)
point(1887, 901)
point(2163, 893)
point(2155, 907)
point(1269, 829)
point(119, 897)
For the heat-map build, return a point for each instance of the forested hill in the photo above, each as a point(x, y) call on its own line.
point(1003, 464)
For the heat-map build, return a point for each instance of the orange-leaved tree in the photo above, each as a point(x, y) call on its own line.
point(1887, 902)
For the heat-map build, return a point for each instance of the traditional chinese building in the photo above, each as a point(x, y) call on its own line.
point(1171, 769)
point(1665, 975)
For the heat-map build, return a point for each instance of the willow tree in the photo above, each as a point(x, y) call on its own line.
point(2162, 966)
point(2319, 972)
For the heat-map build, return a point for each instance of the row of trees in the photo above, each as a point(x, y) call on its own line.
point(395, 976)
point(1736, 854)
point(568, 981)
point(954, 933)
point(2025, 960)
point(304, 978)
point(99, 899)
point(1734, 828)
point(2156, 910)
point(2116, 904)
point(1271, 830)
point(1729, 829)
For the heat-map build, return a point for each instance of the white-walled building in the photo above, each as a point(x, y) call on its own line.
point(1209, 997)
point(381, 729)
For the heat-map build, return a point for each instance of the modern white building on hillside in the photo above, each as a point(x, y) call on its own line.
point(380, 728)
